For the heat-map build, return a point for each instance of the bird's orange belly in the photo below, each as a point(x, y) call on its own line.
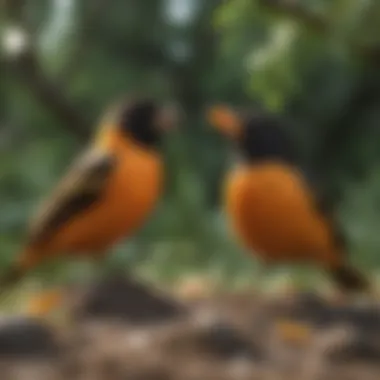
point(131, 195)
point(272, 214)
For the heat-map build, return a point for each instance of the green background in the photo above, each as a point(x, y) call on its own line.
point(314, 61)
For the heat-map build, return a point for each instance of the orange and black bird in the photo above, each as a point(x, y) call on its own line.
point(273, 206)
point(108, 192)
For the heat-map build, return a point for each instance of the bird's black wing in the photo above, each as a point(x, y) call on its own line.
point(80, 189)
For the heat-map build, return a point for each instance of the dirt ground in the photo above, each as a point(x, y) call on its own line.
point(123, 330)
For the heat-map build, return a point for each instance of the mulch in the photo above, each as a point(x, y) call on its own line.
point(121, 329)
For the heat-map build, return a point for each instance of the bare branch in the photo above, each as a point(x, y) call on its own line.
point(293, 9)
point(26, 66)
point(30, 72)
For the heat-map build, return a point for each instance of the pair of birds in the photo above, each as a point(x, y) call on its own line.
point(113, 186)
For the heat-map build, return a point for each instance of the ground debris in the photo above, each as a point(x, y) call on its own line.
point(223, 337)
point(123, 298)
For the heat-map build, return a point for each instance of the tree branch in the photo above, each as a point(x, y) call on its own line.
point(291, 8)
point(27, 67)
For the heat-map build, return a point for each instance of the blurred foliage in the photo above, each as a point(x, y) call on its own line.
point(315, 62)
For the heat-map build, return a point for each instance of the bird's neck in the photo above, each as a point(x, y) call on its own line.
point(110, 139)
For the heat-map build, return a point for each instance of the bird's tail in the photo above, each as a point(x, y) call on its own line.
point(349, 279)
point(13, 275)
point(26, 260)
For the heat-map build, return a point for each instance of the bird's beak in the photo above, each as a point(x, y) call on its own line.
point(169, 118)
point(225, 119)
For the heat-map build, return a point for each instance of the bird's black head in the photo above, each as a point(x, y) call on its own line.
point(258, 136)
point(145, 121)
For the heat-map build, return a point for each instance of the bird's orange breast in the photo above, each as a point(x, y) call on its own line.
point(129, 197)
point(273, 213)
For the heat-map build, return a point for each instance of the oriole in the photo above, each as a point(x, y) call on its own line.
point(272, 206)
point(107, 193)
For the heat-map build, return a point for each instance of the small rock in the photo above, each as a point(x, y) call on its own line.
point(126, 300)
point(23, 336)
